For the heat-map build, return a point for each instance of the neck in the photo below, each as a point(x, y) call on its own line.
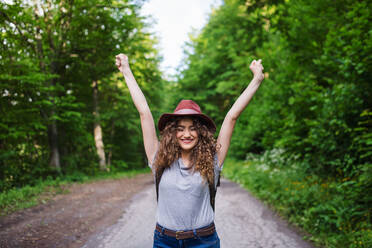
point(186, 155)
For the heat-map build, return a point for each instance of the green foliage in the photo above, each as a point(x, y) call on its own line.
point(50, 53)
point(329, 209)
point(318, 61)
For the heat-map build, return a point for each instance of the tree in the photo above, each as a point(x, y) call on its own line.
point(317, 59)
point(52, 52)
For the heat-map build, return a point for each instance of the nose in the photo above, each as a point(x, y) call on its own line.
point(187, 133)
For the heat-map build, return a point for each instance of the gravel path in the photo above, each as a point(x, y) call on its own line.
point(69, 219)
point(241, 221)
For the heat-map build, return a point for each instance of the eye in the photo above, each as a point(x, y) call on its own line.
point(193, 128)
point(179, 129)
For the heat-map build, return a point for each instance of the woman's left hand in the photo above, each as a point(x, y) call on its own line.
point(257, 68)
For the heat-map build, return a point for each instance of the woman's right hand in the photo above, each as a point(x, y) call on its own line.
point(122, 62)
point(257, 68)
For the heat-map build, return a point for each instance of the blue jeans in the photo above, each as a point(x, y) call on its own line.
point(164, 241)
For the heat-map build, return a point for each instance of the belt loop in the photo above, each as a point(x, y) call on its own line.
point(162, 230)
point(195, 235)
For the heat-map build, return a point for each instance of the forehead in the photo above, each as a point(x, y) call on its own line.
point(185, 122)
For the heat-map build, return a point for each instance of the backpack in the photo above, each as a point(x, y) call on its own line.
point(212, 189)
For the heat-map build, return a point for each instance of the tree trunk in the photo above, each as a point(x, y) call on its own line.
point(98, 129)
point(112, 133)
point(54, 161)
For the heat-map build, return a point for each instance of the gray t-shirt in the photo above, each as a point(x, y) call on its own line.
point(184, 200)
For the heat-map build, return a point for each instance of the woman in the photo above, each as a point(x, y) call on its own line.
point(186, 162)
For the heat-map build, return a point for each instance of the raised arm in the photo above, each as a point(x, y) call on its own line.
point(147, 122)
point(232, 116)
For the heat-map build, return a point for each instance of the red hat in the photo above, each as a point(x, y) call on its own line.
point(187, 108)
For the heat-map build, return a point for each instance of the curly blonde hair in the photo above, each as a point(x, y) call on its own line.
point(202, 155)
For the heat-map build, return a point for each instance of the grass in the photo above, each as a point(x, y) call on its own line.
point(28, 196)
point(326, 208)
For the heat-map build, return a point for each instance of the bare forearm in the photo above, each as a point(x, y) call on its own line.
point(228, 124)
point(244, 99)
point(135, 92)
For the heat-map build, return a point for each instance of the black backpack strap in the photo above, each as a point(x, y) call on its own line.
point(212, 193)
point(157, 181)
point(157, 188)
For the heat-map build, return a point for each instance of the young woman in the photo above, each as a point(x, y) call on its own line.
point(186, 162)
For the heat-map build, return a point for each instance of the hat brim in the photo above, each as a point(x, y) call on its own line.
point(164, 118)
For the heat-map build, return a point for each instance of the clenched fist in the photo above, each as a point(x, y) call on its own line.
point(122, 62)
point(257, 68)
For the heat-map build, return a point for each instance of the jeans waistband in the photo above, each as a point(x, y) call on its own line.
point(186, 234)
point(185, 230)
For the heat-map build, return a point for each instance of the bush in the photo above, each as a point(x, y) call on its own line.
point(331, 209)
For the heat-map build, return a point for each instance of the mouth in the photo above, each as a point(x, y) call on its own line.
point(187, 141)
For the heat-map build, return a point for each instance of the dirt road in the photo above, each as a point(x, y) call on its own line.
point(241, 220)
point(68, 220)
point(121, 213)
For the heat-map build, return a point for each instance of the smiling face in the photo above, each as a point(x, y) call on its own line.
point(187, 136)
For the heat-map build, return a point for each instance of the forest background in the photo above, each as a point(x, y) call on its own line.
point(304, 143)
